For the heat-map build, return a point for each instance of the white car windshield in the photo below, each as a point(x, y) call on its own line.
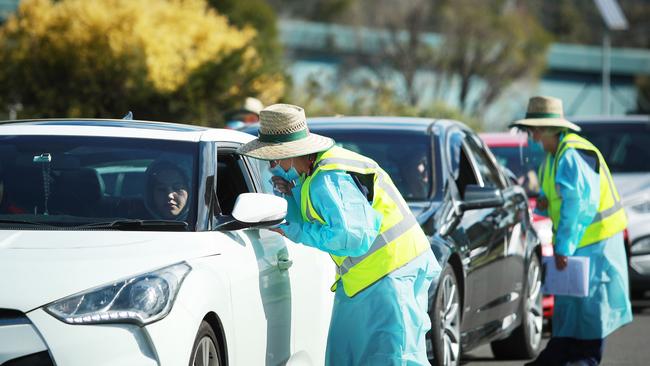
point(86, 181)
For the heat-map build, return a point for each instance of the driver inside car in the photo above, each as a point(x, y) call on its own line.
point(167, 191)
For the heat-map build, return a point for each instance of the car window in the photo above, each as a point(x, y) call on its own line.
point(260, 169)
point(73, 180)
point(624, 146)
point(462, 169)
point(405, 156)
point(489, 172)
point(233, 179)
point(524, 162)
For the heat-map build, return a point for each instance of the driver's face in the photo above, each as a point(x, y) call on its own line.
point(169, 193)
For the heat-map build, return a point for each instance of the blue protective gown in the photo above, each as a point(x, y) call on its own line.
point(386, 323)
point(608, 306)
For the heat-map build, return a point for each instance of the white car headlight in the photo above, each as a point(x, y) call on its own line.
point(141, 299)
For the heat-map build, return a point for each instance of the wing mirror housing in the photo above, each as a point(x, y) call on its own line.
point(477, 197)
point(257, 210)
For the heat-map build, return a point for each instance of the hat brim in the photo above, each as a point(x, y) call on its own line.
point(313, 143)
point(546, 122)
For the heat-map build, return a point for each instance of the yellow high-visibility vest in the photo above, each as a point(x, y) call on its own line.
point(400, 238)
point(610, 218)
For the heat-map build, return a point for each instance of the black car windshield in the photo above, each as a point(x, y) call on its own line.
point(405, 156)
point(84, 181)
point(625, 146)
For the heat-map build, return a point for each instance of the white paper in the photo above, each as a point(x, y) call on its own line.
point(572, 281)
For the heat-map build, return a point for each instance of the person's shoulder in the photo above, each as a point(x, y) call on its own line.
point(330, 175)
point(575, 158)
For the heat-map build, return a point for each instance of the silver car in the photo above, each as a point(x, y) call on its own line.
point(625, 144)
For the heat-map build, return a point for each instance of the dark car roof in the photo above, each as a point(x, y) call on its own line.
point(603, 120)
point(384, 123)
point(381, 123)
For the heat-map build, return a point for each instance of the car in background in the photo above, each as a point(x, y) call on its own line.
point(624, 142)
point(90, 276)
point(479, 227)
point(513, 152)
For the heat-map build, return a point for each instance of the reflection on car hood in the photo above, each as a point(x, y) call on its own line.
point(38, 267)
point(629, 184)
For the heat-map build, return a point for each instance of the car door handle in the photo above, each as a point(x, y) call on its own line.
point(284, 263)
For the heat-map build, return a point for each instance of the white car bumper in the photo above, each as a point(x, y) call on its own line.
point(166, 342)
point(101, 345)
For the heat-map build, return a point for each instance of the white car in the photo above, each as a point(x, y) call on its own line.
point(90, 276)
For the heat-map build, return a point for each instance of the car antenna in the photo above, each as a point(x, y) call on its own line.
point(129, 116)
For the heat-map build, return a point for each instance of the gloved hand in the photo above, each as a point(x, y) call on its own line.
point(282, 185)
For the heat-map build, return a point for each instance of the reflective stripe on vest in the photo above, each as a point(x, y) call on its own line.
point(610, 218)
point(400, 238)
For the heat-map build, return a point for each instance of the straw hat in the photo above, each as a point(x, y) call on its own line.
point(545, 112)
point(284, 134)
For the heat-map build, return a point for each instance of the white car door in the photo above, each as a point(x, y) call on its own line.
point(311, 273)
point(260, 285)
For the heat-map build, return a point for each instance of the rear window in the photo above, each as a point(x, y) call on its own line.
point(406, 157)
point(625, 146)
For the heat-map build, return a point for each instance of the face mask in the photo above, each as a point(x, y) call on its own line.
point(290, 176)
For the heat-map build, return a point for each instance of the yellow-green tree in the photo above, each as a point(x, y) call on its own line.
point(173, 60)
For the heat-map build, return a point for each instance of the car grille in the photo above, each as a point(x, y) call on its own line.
point(9, 317)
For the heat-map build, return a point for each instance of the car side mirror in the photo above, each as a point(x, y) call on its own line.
point(477, 197)
point(259, 209)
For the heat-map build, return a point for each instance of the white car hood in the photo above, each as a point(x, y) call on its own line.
point(38, 267)
point(629, 184)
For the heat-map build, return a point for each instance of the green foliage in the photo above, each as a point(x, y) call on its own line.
point(166, 60)
point(578, 21)
point(259, 15)
point(316, 10)
point(370, 100)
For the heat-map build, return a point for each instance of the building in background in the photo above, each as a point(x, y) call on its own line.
point(315, 51)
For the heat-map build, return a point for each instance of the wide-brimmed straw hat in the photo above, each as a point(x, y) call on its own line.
point(545, 112)
point(284, 134)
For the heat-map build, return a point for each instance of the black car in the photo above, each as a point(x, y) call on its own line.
point(623, 141)
point(479, 226)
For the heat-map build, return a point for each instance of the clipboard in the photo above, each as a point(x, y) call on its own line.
point(572, 281)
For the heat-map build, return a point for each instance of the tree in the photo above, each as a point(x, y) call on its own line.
point(169, 60)
point(372, 99)
point(489, 45)
point(259, 15)
point(481, 47)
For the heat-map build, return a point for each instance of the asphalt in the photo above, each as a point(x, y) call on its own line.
point(628, 346)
